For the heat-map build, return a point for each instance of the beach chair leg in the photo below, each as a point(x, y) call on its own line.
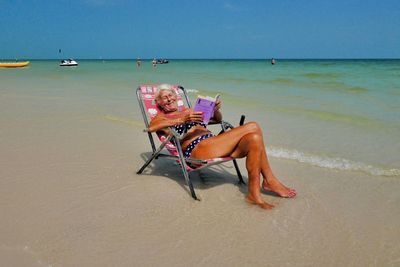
point(184, 169)
point(189, 182)
point(154, 155)
point(147, 163)
point(241, 181)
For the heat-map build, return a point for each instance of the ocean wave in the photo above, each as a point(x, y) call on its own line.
point(190, 90)
point(315, 75)
point(331, 163)
point(330, 116)
point(283, 81)
point(356, 89)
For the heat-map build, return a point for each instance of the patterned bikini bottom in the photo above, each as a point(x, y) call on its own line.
point(188, 152)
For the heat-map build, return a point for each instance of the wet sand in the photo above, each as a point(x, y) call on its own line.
point(70, 196)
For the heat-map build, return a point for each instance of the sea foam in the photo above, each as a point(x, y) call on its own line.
point(190, 90)
point(336, 163)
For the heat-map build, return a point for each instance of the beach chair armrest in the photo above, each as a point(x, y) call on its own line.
point(172, 132)
point(175, 133)
point(197, 161)
point(226, 125)
point(214, 122)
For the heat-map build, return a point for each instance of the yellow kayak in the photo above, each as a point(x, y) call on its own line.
point(14, 64)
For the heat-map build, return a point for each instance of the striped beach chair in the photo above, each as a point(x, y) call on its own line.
point(146, 98)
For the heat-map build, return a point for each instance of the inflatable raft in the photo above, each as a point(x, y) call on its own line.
point(14, 64)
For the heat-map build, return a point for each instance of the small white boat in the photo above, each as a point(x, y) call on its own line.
point(68, 62)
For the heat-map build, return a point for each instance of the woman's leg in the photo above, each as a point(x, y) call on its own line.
point(224, 144)
point(250, 147)
point(244, 141)
point(240, 142)
point(270, 182)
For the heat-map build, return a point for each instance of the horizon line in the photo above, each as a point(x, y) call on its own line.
point(134, 59)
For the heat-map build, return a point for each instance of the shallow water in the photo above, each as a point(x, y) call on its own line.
point(340, 114)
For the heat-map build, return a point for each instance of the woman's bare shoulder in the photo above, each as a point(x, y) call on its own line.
point(160, 115)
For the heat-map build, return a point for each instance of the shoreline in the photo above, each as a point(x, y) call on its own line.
point(212, 59)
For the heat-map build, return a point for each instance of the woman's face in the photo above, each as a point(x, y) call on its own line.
point(167, 101)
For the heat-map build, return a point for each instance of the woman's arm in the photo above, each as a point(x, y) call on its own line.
point(217, 117)
point(162, 120)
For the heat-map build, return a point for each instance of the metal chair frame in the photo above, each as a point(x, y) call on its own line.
point(175, 138)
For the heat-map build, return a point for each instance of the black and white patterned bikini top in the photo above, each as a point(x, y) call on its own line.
point(184, 128)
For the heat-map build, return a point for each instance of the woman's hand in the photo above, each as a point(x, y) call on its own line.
point(217, 117)
point(193, 116)
point(217, 106)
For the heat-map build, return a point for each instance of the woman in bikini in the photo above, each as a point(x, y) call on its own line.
point(243, 141)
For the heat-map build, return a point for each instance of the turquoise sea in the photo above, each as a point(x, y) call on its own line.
point(335, 114)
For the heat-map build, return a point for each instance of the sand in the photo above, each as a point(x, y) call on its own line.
point(70, 196)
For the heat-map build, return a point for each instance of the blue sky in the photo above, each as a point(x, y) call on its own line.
point(35, 29)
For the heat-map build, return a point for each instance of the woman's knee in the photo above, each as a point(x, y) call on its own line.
point(253, 127)
point(250, 142)
point(253, 138)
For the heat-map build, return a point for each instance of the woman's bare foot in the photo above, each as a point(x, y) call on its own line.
point(261, 203)
point(278, 188)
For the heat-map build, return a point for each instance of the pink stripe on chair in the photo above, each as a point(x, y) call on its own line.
point(209, 163)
